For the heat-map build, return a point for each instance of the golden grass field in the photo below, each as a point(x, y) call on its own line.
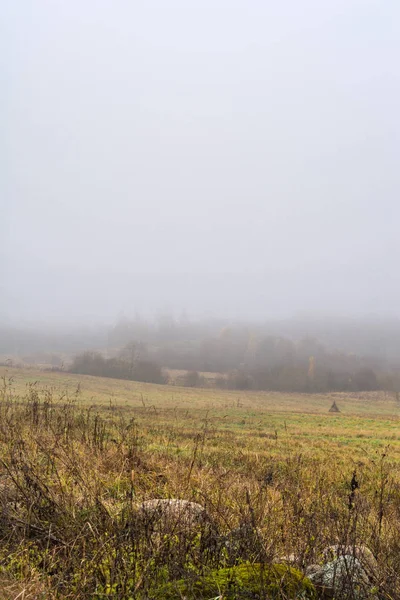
point(262, 422)
point(281, 460)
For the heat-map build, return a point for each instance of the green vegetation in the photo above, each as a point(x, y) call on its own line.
point(277, 582)
point(78, 452)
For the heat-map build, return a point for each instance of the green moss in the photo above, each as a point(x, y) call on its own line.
point(253, 582)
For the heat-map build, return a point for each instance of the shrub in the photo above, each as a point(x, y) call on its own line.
point(93, 363)
point(239, 380)
point(192, 379)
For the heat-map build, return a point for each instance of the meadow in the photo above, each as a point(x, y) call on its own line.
point(261, 422)
point(76, 451)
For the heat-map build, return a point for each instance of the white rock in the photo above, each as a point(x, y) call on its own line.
point(362, 553)
point(171, 514)
point(344, 578)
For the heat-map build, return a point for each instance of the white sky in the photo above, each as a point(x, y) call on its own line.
point(235, 157)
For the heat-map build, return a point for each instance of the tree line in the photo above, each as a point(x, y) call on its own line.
point(125, 366)
point(292, 355)
point(238, 358)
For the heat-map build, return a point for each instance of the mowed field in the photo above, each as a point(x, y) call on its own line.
point(262, 423)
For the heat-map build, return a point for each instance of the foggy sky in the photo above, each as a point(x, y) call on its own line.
point(236, 158)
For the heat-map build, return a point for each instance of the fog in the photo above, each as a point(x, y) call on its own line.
point(228, 158)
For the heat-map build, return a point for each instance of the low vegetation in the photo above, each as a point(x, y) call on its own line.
point(277, 581)
point(289, 475)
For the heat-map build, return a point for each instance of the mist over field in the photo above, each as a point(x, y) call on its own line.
point(233, 160)
point(199, 299)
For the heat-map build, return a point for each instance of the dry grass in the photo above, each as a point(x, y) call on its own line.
point(76, 451)
point(15, 590)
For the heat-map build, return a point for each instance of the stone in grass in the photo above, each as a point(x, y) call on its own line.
point(362, 553)
point(171, 515)
point(243, 582)
point(171, 522)
point(342, 579)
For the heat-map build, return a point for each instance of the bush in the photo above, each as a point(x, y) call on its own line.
point(89, 363)
point(239, 380)
point(192, 379)
point(93, 363)
point(149, 372)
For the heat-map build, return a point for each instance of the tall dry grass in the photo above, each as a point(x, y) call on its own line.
point(71, 476)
